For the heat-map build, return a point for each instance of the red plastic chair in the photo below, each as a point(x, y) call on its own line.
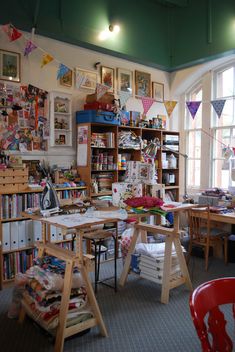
point(207, 298)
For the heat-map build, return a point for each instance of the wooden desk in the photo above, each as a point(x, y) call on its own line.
point(71, 259)
point(172, 236)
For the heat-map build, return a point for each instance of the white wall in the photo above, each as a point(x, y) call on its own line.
point(73, 56)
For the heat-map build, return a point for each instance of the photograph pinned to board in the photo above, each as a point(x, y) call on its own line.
point(90, 78)
point(124, 80)
point(107, 77)
point(9, 66)
point(142, 84)
point(158, 91)
point(82, 140)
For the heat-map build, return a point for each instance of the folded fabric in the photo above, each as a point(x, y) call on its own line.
point(146, 202)
point(152, 249)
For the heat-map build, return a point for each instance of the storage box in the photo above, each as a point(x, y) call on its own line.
point(96, 116)
point(122, 191)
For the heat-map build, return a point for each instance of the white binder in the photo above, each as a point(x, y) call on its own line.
point(6, 239)
point(21, 230)
point(59, 234)
point(37, 230)
point(29, 233)
point(53, 233)
point(14, 235)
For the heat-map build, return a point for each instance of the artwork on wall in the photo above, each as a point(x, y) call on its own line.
point(142, 84)
point(67, 79)
point(124, 80)
point(90, 78)
point(158, 91)
point(24, 123)
point(9, 66)
point(107, 78)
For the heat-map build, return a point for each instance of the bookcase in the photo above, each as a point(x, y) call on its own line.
point(100, 161)
point(18, 234)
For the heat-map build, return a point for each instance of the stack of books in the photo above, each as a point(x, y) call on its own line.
point(152, 268)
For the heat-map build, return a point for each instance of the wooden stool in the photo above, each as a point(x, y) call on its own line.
point(96, 238)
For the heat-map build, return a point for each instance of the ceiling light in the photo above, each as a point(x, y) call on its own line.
point(114, 29)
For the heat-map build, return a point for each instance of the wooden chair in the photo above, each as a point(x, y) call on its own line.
point(203, 235)
point(204, 302)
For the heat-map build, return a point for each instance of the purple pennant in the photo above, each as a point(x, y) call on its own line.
point(193, 107)
point(218, 105)
point(29, 47)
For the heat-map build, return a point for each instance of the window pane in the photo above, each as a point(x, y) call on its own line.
point(225, 84)
point(193, 173)
point(194, 144)
point(222, 138)
point(220, 174)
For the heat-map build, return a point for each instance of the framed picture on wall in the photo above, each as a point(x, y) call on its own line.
point(158, 91)
point(9, 66)
point(89, 81)
point(142, 84)
point(124, 80)
point(67, 79)
point(107, 77)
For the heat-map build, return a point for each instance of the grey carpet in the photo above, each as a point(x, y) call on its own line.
point(134, 317)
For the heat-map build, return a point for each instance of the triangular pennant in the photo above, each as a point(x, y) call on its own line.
point(147, 103)
point(124, 96)
point(80, 79)
point(170, 105)
point(193, 107)
point(101, 90)
point(12, 32)
point(29, 47)
point(218, 105)
point(62, 70)
point(46, 59)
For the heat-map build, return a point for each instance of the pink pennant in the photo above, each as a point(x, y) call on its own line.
point(11, 31)
point(147, 103)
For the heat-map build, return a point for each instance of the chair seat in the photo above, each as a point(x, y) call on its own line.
point(214, 231)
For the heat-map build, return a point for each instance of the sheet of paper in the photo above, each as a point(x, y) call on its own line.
point(72, 220)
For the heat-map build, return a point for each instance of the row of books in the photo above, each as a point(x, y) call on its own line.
point(68, 194)
point(17, 262)
point(13, 205)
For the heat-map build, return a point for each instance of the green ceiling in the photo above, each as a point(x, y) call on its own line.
point(167, 34)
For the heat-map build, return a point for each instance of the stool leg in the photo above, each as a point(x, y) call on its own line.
point(95, 266)
point(115, 262)
point(98, 271)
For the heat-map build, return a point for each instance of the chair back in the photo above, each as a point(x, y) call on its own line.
point(199, 224)
point(206, 299)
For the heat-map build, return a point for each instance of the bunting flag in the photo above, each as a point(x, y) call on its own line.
point(62, 70)
point(147, 103)
point(101, 89)
point(11, 31)
point(227, 153)
point(124, 96)
point(46, 59)
point(218, 105)
point(193, 107)
point(80, 79)
point(170, 105)
point(29, 47)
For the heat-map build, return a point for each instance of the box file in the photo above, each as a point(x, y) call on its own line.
point(14, 235)
point(59, 235)
point(37, 230)
point(29, 233)
point(22, 237)
point(53, 233)
point(6, 240)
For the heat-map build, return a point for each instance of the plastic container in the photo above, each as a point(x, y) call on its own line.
point(96, 116)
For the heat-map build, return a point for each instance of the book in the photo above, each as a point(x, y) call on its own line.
point(156, 262)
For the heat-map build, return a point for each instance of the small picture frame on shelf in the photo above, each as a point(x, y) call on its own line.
point(158, 91)
point(107, 77)
point(67, 79)
point(142, 84)
point(124, 80)
point(9, 66)
point(89, 81)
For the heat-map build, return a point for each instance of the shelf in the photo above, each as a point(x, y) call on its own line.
point(69, 188)
point(172, 187)
point(131, 149)
point(62, 130)
point(94, 147)
point(130, 127)
point(18, 250)
point(14, 219)
point(113, 170)
point(22, 192)
point(62, 113)
point(106, 193)
point(170, 169)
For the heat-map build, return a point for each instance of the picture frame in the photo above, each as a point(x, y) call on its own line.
point(107, 77)
point(142, 84)
point(67, 79)
point(9, 66)
point(158, 91)
point(91, 78)
point(124, 80)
